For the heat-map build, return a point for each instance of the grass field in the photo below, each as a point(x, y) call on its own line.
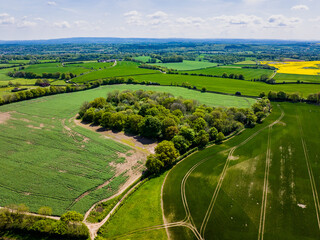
point(280, 77)
point(249, 62)
point(247, 73)
point(187, 65)
point(255, 186)
point(227, 85)
point(141, 210)
point(54, 67)
point(122, 69)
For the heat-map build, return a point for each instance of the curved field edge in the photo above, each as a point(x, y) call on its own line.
point(141, 210)
point(214, 160)
point(56, 170)
point(290, 199)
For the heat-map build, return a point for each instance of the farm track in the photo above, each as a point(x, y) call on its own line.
point(265, 189)
point(310, 172)
point(216, 192)
point(188, 220)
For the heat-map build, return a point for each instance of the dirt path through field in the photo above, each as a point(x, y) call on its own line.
point(310, 172)
point(265, 189)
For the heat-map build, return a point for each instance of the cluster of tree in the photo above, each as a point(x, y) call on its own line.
point(152, 67)
point(32, 75)
point(163, 117)
point(224, 75)
point(42, 83)
point(16, 218)
point(260, 67)
point(167, 58)
point(314, 98)
point(282, 96)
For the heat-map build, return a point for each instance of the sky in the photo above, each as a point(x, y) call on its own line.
point(245, 19)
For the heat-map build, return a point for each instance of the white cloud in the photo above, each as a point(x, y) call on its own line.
point(134, 18)
point(62, 24)
point(25, 24)
point(6, 19)
point(300, 7)
point(253, 2)
point(158, 15)
point(191, 20)
point(39, 19)
point(52, 3)
point(131, 14)
point(241, 19)
point(282, 21)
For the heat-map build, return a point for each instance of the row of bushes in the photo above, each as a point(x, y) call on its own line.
point(291, 97)
point(16, 218)
point(32, 75)
point(224, 75)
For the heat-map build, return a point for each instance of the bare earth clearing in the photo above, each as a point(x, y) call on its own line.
point(132, 166)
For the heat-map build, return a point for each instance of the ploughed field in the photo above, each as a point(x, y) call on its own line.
point(263, 184)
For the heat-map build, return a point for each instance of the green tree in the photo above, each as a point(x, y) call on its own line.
point(151, 127)
point(153, 164)
point(213, 132)
point(202, 138)
point(45, 211)
point(166, 152)
point(220, 137)
point(187, 133)
point(181, 144)
point(71, 216)
point(170, 132)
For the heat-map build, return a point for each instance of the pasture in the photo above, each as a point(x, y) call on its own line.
point(226, 85)
point(186, 65)
point(283, 77)
point(263, 184)
point(246, 72)
point(122, 69)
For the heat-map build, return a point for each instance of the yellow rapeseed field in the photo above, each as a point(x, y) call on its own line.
point(304, 68)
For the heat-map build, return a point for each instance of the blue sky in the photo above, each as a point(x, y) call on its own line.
point(259, 19)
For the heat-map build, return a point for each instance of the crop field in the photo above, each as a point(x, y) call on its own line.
point(227, 85)
point(187, 65)
point(247, 73)
point(47, 154)
point(304, 68)
point(280, 77)
point(122, 69)
point(263, 184)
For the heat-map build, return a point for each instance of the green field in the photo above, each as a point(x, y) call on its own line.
point(249, 62)
point(47, 155)
point(247, 73)
point(122, 69)
point(187, 65)
point(254, 185)
point(283, 77)
point(226, 85)
point(54, 67)
point(141, 210)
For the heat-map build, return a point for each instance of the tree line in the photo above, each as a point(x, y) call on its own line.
point(180, 124)
point(16, 218)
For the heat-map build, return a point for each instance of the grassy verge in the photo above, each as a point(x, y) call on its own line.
point(141, 209)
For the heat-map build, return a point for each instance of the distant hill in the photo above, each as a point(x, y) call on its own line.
point(95, 40)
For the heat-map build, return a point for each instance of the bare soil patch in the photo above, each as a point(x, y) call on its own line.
point(4, 117)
